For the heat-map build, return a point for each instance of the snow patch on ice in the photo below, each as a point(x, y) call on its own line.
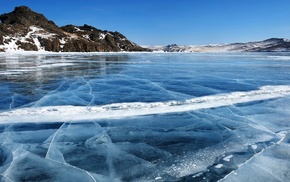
point(228, 158)
point(197, 175)
point(219, 166)
point(254, 147)
point(158, 178)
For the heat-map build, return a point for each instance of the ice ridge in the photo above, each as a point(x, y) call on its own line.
point(120, 110)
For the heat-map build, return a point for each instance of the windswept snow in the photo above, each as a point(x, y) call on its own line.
point(86, 37)
point(10, 44)
point(102, 36)
point(78, 29)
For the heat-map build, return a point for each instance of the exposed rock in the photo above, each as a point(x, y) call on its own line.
point(22, 15)
point(24, 29)
point(26, 46)
point(172, 48)
point(106, 40)
point(1, 39)
point(50, 44)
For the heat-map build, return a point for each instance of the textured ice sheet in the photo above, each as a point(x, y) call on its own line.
point(271, 164)
point(187, 117)
point(208, 143)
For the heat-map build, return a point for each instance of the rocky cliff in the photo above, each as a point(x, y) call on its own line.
point(24, 29)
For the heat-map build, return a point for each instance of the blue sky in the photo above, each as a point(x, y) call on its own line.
point(162, 22)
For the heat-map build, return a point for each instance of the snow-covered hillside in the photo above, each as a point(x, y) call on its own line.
point(11, 43)
point(273, 44)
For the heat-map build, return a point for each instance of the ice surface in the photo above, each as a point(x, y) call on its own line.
point(272, 164)
point(144, 117)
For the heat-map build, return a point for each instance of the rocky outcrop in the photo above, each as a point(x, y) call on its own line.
point(24, 29)
point(1, 42)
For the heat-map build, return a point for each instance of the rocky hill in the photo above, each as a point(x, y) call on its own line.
point(24, 29)
point(269, 45)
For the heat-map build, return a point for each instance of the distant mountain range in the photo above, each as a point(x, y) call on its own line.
point(24, 29)
point(269, 45)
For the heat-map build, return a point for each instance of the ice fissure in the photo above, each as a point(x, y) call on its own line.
point(90, 91)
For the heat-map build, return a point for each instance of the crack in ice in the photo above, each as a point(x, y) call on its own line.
point(90, 91)
point(282, 135)
point(68, 165)
point(37, 103)
point(52, 141)
point(170, 92)
point(63, 163)
point(6, 178)
point(12, 101)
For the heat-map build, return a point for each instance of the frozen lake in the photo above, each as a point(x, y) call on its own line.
point(145, 116)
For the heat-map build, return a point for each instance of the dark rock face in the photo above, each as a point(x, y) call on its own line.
point(26, 17)
point(98, 40)
point(1, 41)
point(24, 29)
point(172, 48)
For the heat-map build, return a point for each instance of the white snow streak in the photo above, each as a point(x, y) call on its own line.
point(102, 36)
point(120, 110)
